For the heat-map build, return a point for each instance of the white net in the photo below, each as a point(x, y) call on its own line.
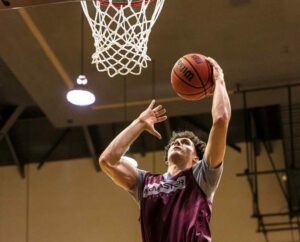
point(121, 32)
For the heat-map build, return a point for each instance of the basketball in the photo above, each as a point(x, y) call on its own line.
point(192, 77)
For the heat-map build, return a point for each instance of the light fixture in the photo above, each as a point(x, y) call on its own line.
point(80, 95)
point(284, 178)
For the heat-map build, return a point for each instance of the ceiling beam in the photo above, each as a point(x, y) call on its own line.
point(11, 121)
point(53, 147)
point(16, 159)
point(42, 41)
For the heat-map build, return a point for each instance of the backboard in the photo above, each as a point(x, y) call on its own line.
point(9, 4)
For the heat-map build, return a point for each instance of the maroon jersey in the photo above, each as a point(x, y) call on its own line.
point(174, 209)
point(177, 208)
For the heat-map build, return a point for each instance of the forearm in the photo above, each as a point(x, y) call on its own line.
point(221, 109)
point(122, 173)
point(221, 112)
point(121, 143)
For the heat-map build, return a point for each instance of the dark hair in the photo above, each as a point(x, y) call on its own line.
point(199, 144)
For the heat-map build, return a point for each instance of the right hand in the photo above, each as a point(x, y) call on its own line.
point(217, 70)
point(151, 116)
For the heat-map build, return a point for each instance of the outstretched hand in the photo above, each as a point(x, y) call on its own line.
point(151, 116)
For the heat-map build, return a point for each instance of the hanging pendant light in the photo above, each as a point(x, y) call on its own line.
point(80, 95)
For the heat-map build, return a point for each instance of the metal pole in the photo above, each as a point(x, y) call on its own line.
point(291, 127)
point(264, 172)
point(276, 174)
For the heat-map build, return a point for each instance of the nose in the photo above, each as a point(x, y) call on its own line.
point(176, 142)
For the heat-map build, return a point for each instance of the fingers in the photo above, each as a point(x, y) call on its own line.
point(157, 108)
point(160, 112)
point(218, 72)
point(156, 133)
point(161, 119)
point(151, 104)
point(214, 63)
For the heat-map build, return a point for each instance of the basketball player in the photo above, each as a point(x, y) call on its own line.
point(175, 206)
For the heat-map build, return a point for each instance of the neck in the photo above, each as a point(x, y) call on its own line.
point(174, 168)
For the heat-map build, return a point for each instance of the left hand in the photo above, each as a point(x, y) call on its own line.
point(151, 116)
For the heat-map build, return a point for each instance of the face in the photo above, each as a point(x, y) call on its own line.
point(183, 149)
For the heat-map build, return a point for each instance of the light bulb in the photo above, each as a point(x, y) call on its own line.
point(80, 95)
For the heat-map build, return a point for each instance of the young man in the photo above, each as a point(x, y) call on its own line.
point(175, 206)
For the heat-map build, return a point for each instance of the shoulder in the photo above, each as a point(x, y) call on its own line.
point(136, 190)
point(207, 178)
point(141, 174)
point(202, 165)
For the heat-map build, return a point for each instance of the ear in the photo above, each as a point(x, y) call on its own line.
point(195, 159)
point(166, 163)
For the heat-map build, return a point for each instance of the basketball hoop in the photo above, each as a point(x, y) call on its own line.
point(121, 30)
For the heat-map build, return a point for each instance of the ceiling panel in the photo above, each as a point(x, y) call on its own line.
point(256, 43)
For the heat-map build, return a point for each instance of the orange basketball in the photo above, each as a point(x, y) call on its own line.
point(192, 77)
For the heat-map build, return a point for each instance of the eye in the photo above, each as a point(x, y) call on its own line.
point(185, 141)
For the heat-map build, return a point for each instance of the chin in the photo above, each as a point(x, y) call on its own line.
point(176, 157)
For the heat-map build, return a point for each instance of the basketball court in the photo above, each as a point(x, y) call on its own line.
point(45, 45)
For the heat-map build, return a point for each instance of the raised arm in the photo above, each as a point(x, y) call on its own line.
point(110, 160)
point(221, 113)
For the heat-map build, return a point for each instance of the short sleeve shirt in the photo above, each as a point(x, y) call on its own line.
point(207, 178)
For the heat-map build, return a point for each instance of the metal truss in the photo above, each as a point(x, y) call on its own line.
point(288, 220)
point(4, 134)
